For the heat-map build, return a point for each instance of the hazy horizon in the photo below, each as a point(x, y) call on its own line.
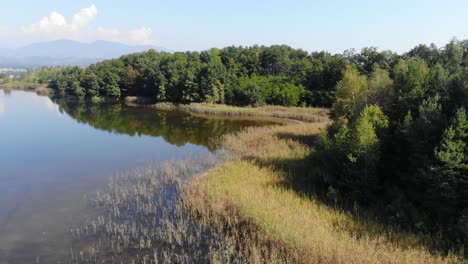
point(171, 50)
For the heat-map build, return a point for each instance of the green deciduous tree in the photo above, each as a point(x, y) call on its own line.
point(350, 94)
point(380, 90)
point(351, 156)
point(410, 78)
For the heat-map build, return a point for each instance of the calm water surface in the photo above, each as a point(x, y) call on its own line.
point(52, 153)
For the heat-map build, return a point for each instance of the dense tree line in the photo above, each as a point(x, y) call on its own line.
point(399, 142)
point(234, 75)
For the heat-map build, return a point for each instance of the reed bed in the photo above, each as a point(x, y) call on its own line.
point(304, 114)
point(252, 189)
point(40, 89)
point(145, 220)
point(237, 206)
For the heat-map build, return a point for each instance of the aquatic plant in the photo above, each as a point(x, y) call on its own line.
point(144, 220)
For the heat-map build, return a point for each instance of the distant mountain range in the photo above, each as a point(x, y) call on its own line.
point(67, 52)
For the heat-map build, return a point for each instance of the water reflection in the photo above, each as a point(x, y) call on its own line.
point(43, 101)
point(176, 127)
point(2, 104)
point(54, 152)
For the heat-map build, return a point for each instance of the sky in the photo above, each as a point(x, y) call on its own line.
point(331, 25)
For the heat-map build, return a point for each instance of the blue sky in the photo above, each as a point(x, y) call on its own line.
point(331, 25)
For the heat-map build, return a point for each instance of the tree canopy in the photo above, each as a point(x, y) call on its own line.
point(255, 75)
point(399, 143)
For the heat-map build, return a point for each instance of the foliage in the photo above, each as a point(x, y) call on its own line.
point(261, 203)
point(350, 94)
point(391, 148)
point(255, 75)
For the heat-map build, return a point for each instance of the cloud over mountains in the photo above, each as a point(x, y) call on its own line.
point(57, 26)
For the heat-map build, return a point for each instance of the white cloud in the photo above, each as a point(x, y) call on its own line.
point(56, 26)
point(108, 33)
point(139, 36)
point(84, 17)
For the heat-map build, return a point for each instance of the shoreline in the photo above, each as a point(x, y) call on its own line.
point(40, 89)
point(298, 115)
point(252, 198)
point(280, 114)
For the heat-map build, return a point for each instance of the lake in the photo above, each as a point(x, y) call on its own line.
point(53, 153)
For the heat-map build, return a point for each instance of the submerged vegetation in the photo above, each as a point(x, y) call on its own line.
point(145, 220)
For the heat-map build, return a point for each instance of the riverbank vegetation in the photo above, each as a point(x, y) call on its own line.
point(306, 114)
point(40, 89)
point(388, 177)
point(143, 220)
point(27, 81)
point(245, 206)
point(262, 186)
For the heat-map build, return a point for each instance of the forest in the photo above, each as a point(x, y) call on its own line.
point(398, 144)
point(277, 75)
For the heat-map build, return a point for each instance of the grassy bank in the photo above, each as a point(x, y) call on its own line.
point(250, 196)
point(306, 114)
point(40, 89)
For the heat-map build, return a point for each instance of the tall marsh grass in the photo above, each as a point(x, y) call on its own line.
point(145, 220)
point(237, 207)
point(305, 114)
point(253, 189)
point(40, 89)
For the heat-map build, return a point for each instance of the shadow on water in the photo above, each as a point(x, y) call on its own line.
point(176, 127)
